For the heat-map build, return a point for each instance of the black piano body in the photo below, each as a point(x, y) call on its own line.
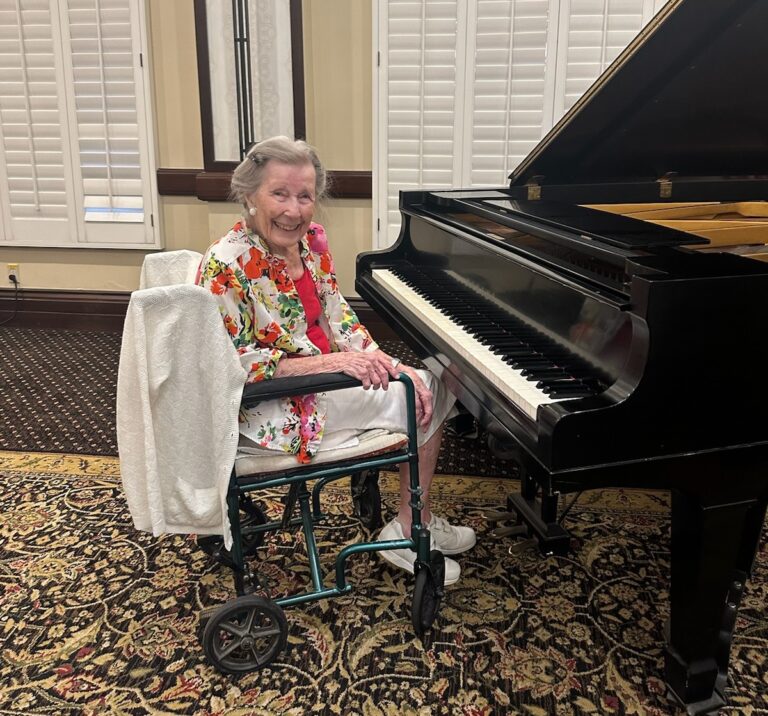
point(615, 351)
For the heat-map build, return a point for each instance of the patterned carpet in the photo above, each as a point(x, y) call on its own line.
point(57, 390)
point(96, 618)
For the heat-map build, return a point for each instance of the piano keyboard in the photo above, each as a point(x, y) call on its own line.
point(505, 355)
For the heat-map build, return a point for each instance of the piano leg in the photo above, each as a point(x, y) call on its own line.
point(712, 552)
point(539, 513)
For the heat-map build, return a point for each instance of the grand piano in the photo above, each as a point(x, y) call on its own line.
point(602, 312)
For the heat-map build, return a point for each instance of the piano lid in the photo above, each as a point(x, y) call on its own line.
point(686, 99)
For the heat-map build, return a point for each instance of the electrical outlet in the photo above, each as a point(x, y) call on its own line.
point(13, 270)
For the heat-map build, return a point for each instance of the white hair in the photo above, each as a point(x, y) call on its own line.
point(249, 174)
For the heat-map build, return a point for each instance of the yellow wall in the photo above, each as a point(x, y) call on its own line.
point(337, 75)
point(338, 86)
point(337, 59)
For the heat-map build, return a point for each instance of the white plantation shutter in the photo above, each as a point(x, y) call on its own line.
point(512, 77)
point(36, 193)
point(509, 70)
point(102, 122)
point(422, 60)
point(592, 34)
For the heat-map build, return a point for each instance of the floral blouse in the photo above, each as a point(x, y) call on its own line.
point(265, 318)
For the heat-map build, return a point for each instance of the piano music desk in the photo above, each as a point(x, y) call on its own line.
point(736, 227)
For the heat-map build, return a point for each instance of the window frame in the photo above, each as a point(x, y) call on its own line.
point(79, 228)
point(210, 163)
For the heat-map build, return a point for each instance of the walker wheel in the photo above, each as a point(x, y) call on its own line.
point(366, 498)
point(250, 516)
point(245, 634)
point(427, 593)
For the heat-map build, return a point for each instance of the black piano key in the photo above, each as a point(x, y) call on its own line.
point(523, 351)
point(568, 393)
point(540, 373)
point(513, 352)
point(517, 352)
point(559, 389)
point(491, 331)
point(564, 382)
point(527, 362)
point(498, 342)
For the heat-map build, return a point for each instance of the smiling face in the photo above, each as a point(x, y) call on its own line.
point(285, 204)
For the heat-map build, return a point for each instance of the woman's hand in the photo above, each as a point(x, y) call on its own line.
point(373, 369)
point(423, 396)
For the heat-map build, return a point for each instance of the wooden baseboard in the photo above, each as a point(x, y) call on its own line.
point(69, 310)
point(105, 310)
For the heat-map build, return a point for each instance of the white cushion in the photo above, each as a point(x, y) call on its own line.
point(371, 441)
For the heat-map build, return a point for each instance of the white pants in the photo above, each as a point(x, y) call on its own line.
point(354, 410)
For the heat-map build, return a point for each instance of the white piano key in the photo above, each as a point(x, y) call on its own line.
point(517, 388)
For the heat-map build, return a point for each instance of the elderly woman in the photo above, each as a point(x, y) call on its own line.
point(274, 279)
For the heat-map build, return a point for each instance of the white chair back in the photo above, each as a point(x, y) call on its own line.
point(168, 268)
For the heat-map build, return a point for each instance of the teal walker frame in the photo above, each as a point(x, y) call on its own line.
point(249, 632)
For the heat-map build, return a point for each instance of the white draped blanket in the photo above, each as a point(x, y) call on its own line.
point(178, 394)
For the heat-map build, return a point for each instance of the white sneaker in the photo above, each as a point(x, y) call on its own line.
point(404, 558)
point(450, 539)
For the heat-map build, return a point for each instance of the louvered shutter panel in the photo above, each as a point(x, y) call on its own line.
point(36, 193)
point(108, 120)
point(511, 87)
point(421, 84)
point(592, 34)
point(519, 65)
point(75, 124)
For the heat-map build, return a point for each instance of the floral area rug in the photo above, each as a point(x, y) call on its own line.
point(96, 618)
